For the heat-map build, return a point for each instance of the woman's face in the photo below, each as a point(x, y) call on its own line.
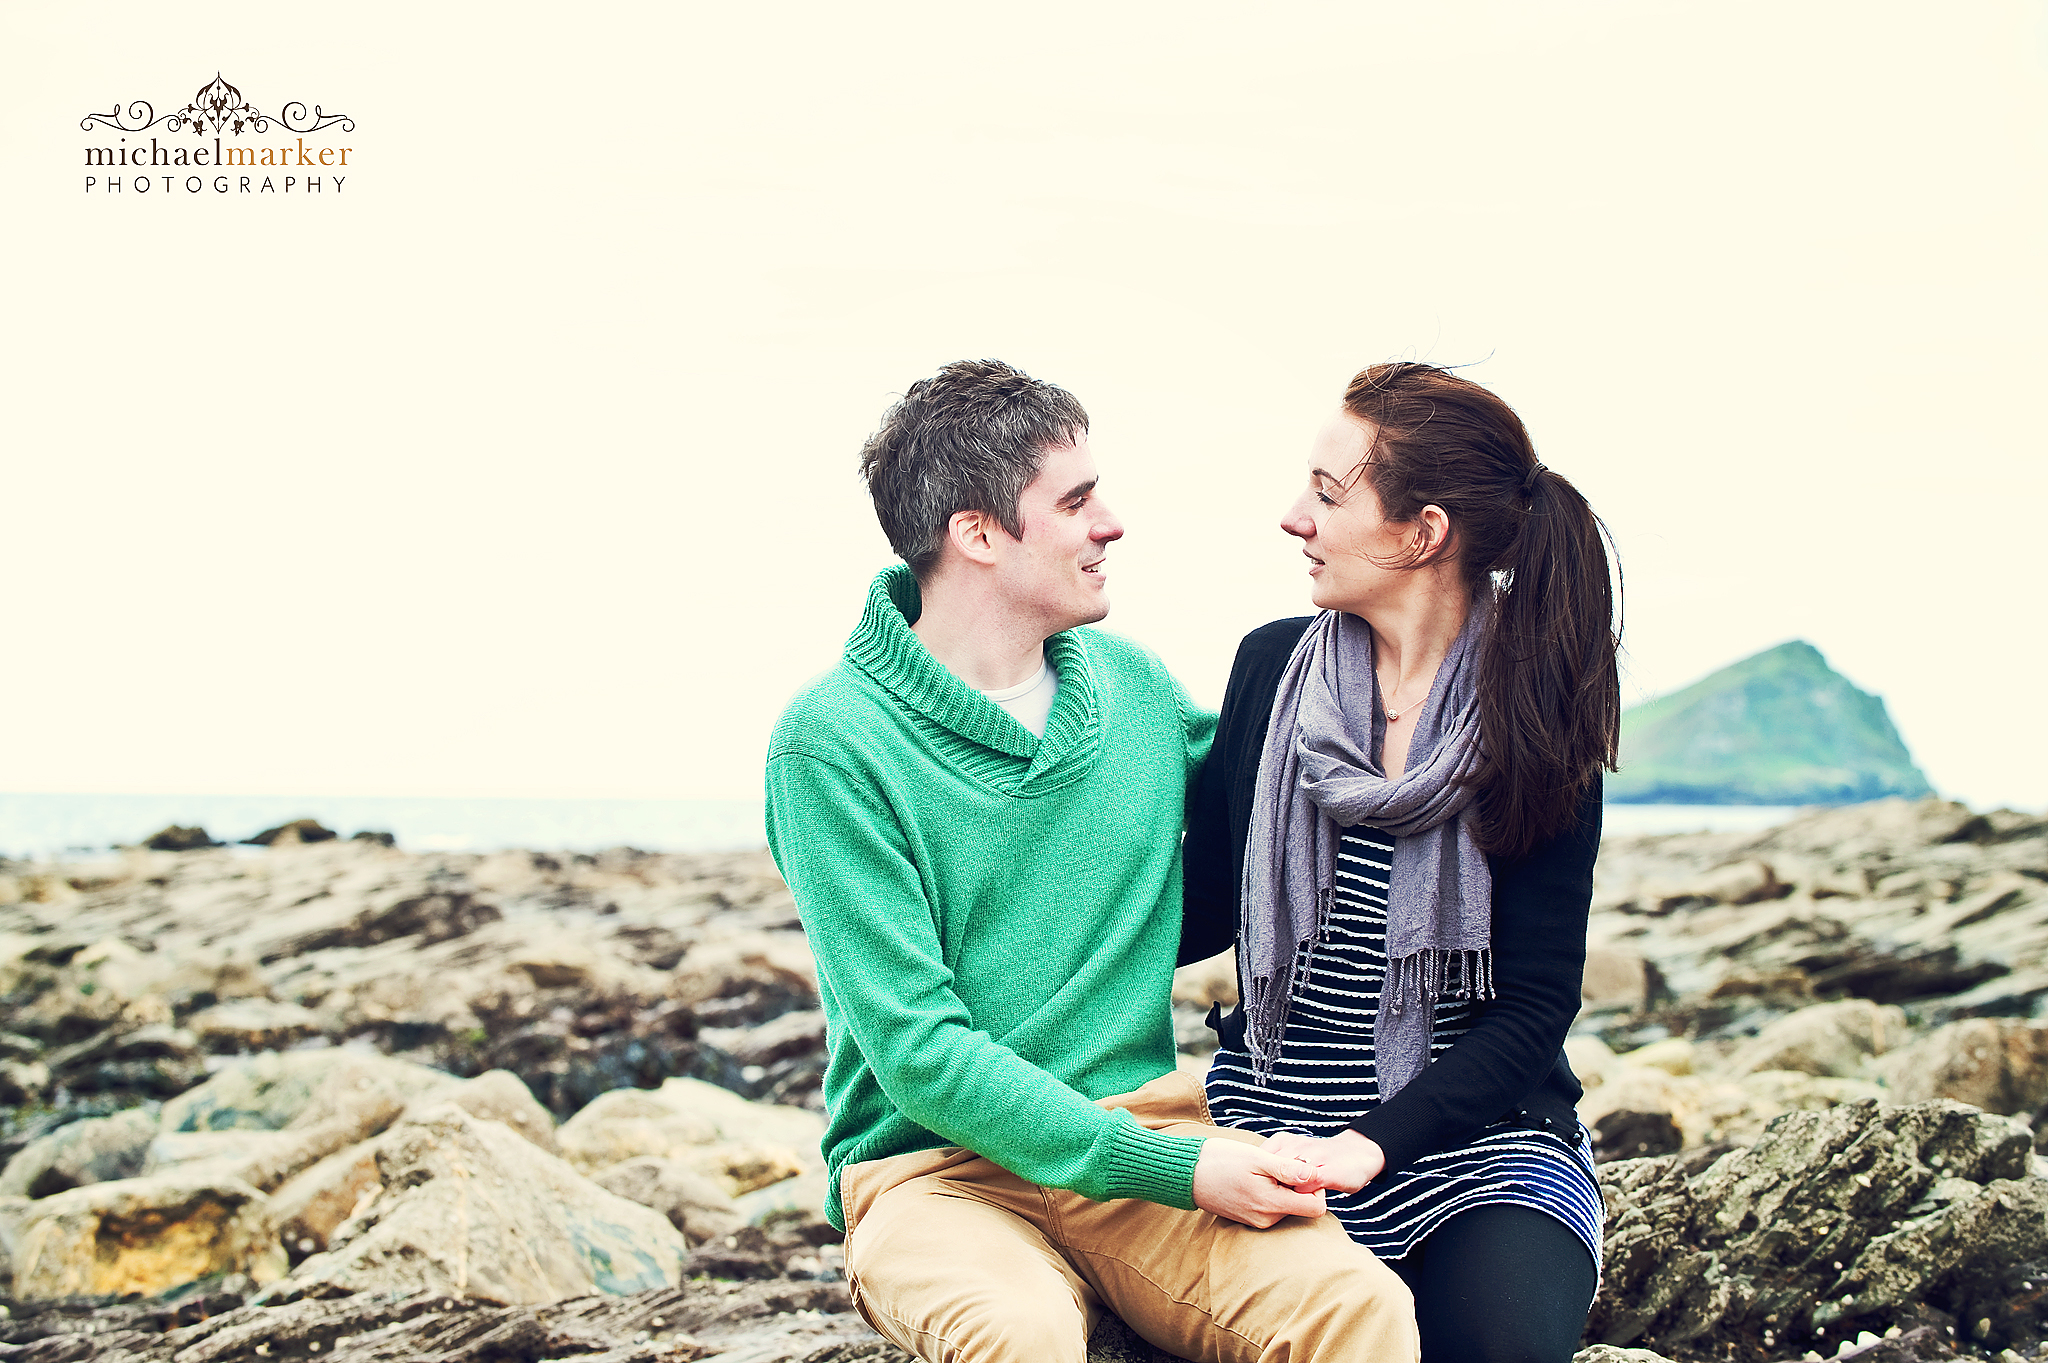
point(1338, 520)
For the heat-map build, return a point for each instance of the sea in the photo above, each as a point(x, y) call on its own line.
point(41, 827)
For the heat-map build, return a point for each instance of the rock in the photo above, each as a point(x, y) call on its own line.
point(1859, 1218)
point(1673, 1055)
point(1591, 1059)
point(244, 1156)
point(794, 1205)
point(297, 831)
point(269, 1092)
point(746, 978)
point(1207, 982)
point(746, 1145)
point(782, 1060)
point(1923, 1344)
point(241, 1026)
point(1742, 882)
point(23, 1083)
point(266, 1159)
point(299, 1329)
point(774, 1321)
point(568, 1057)
point(1617, 978)
point(308, 1207)
point(379, 838)
point(441, 915)
point(498, 1096)
point(125, 1332)
point(799, 1033)
point(97, 1150)
point(177, 839)
point(1607, 1353)
point(1827, 1038)
point(627, 1123)
point(144, 1235)
point(356, 1097)
point(1790, 1090)
point(155, 1060)
point(45, 889)
point(1706, 1111)
point(694, 1203)
point(470, 1209)
point(1998, 1064)
point(1623, 1134)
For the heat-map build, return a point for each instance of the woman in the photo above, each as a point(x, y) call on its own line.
point(1397, 827)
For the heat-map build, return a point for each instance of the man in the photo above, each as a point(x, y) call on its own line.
point(979, 812)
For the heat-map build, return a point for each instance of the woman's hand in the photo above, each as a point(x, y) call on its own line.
point(1343, 1163)
point(1250, 1184)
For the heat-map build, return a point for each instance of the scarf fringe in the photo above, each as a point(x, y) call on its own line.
point(1423, 977)
point(1272, 996)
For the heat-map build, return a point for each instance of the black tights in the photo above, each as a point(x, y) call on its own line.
point(1500, 1284)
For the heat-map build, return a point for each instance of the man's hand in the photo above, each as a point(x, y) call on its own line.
point(1252, 1184)
point(1344, 1162)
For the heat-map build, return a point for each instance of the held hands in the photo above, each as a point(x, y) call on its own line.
point(1344, 1162)
point(1253, 1185)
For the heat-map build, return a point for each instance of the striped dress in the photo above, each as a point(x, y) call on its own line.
point(1325, 1077)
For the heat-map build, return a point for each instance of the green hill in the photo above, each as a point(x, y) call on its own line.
point(1780, 728)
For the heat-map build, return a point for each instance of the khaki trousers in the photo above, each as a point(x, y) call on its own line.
point(957, 1260)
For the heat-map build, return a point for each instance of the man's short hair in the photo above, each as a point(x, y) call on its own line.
point(969, 438)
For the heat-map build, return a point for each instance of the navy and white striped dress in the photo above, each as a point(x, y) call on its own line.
point(1325, 1077)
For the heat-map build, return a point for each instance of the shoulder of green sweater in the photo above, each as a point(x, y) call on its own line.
point(1118, 653)
point(828, 712)
point(1120, 663)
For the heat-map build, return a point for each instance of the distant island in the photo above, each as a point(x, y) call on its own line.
point(1778, 728)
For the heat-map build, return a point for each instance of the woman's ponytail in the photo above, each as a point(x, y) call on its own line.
point(1549, 689)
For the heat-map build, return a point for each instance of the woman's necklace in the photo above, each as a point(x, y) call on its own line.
point(1394, 716)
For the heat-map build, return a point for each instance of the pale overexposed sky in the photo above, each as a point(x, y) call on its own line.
point(524, 464)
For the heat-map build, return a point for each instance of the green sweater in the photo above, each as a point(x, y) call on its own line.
point(994, 915)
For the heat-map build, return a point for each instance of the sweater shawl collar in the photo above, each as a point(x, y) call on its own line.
point(883, 647)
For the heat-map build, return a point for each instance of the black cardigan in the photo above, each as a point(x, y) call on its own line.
point(1510, 1065)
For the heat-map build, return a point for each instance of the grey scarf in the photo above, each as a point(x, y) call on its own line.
point(1316, 777)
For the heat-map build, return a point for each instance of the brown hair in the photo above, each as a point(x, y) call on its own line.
point(969, 438)
point(1549, 690)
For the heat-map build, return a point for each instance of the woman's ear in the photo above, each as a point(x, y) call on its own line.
point(1431, 538)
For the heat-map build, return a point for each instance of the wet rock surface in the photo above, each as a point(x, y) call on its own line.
point(1858, 1220)
point(532, 1106)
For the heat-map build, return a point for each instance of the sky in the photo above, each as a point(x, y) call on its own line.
point(522, 460)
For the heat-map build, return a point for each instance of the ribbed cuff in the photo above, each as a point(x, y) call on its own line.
point(1157, 1168)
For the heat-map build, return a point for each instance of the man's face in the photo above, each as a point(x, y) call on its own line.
point(1055, 573)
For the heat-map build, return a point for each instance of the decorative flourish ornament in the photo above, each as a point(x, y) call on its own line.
point(218, 107)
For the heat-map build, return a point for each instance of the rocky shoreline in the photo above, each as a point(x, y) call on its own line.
point(337, 1099)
